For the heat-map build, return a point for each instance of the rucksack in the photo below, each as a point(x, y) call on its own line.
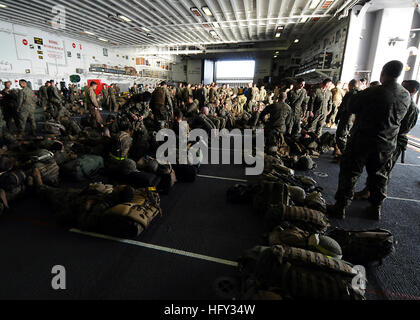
point(167, 178)
point(366, 246)
point(83, 168)
point(142, 209)
point(300, 273)
point(295, 237)
point(270, 193)
point(54, 128)
point(306, 219)
point(315, 201)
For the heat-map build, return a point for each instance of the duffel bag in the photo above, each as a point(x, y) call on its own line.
point(366, 246)
point(302, 274)
point(83, 168)
point(303, 218)
point(71, 127)
point(54, 128)
point(167, 178)
point(185, 173)
point(49, 172)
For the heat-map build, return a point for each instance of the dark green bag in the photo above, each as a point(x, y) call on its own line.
point(83, 168)
point(301, 274)
point(366, 246)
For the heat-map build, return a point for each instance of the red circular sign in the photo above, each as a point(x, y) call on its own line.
point(25, 42)
point(74, 45)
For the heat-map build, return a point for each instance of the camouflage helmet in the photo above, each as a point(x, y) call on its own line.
point(305, 163)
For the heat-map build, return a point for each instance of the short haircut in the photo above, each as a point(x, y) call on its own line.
point(354, 83)
point(326, 81)
point(375, 84)
point(178, 114)
point(163, 83)
point(93, 83)
point(22, 80)
point(412, 85)
point(48, 82)
point(300, 80)
point(393, 69)
point(124, 124)
point(363, 80)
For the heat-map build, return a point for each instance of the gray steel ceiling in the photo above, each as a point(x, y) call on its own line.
point(172, 23)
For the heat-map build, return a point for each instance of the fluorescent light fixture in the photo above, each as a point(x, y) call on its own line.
point(89, 33)
point(314, 4)
point(2, 5)
point(214, 34)
point(207, 11)
point(304, 19)
point(278, 34)
point(216, 25)
point(196, 11)
point(145, 29)
point(102, 39)
point(124, 18)
point(297, 40)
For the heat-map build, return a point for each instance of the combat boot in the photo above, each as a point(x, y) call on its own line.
point(336, 211)
point(362, 195)
point(374, 212)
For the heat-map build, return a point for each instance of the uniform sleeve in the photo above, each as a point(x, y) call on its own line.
point(20, 99)
point(56, 94)
point(330, 103)
point(311, 102)
point(407, 124)
point(304, 102)
point(266, 111)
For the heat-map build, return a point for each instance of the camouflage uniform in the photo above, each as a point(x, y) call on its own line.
point(320, 104)
point(379, 112)
point(297, 100)
point(43, 97)
point(92, 106)
point(26, 109)
point(105, 99)
point(160, 100)
point(54, 100)
point(9, 107)
point(346, 120)
point(113, 104)
point(338, 95)
point(279, 122)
